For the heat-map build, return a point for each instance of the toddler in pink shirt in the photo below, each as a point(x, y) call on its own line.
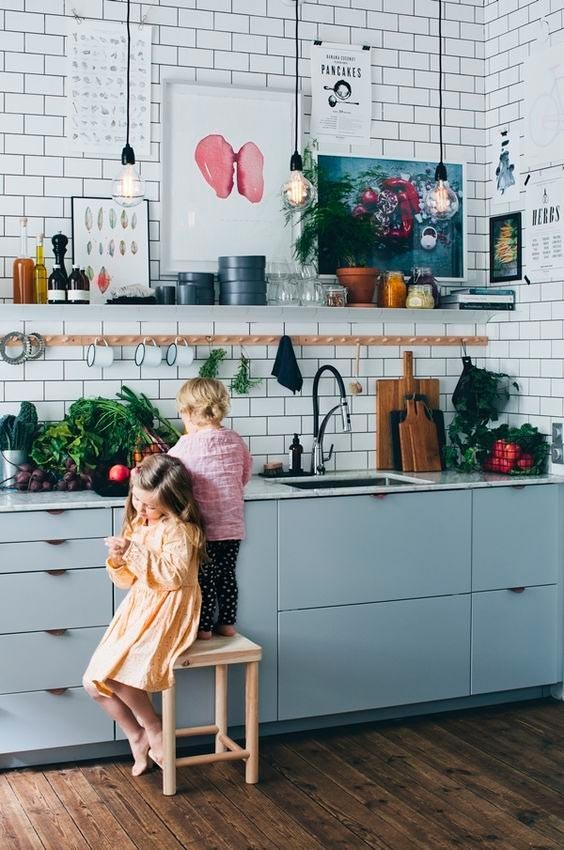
point(220, 465)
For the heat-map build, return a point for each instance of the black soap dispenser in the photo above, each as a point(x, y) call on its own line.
point(296, 450)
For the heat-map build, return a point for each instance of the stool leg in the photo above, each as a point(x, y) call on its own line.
point(220, 705)
point(169, 741)
point(251, 722)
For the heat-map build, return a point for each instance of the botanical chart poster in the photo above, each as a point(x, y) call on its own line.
point(545, 229)
point(544, 106)
point(96, 88)
point(341, 93)
point(504, 158)
point(111, 243)
point(225, 156)
point(391, 192)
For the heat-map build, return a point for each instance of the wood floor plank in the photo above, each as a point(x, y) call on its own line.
point(16, 830)
point(47, 814)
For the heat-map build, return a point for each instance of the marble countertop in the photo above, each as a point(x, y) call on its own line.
point(260, 489)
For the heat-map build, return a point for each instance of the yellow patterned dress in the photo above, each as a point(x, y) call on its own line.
point(158, 619)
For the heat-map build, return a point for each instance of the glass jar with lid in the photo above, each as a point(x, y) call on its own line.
point(423, 281)
point(392, 291)
point(335, 295)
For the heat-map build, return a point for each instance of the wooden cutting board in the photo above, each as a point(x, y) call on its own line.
point(419, 440)
point(390, 395)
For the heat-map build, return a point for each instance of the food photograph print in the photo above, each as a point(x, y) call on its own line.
point(111, 243)
point(505, 247)
point(225, 156)
point(390, 193)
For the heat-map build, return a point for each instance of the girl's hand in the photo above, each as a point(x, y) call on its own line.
point(118, 546)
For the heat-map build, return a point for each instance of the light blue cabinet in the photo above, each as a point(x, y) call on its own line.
point(356, 657)
point(357, 549)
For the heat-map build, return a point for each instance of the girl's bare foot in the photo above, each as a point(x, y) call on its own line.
point(226, 631)
point(157, 759)
point(155, 736)
point(140, 750)
point(203, 635)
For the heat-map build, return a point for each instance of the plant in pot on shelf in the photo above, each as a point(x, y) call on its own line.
point(17, 434)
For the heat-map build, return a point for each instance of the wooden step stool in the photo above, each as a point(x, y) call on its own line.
point(219, 652)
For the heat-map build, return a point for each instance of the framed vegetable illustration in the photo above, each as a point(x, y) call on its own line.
point(111, 243)
point(505, 247)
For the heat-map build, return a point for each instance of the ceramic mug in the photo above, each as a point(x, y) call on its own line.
point(179, 353)
point(99, 354)
point(148, 353)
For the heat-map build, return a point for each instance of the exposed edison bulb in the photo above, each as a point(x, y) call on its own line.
point(297, 192)
point(441, 202)
point(127, 188)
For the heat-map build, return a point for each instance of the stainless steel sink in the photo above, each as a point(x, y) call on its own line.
point(321, 483)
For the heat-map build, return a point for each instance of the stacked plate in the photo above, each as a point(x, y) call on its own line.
point(195, 288)
point(242, 280)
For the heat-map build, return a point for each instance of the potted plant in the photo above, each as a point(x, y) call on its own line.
point(17, 434)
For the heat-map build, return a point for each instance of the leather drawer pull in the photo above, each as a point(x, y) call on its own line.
point(56, 512)
point(57, 692)
point(55, 572)
point(55, 542)
point(56, 632)
point(517, 486)
point(517, 589)
point(379, 495)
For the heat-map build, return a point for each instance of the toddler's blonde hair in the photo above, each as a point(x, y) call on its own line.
point(204, 398)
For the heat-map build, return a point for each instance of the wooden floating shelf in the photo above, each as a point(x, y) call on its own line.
point(263, 339)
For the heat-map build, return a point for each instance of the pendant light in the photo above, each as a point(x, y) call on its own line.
point(127, 188)
point(297, 191)
point(441, 202)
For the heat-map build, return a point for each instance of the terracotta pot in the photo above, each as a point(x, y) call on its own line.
point(360, 283)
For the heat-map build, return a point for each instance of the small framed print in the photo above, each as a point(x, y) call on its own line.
point(111, 243)
point(505, 248)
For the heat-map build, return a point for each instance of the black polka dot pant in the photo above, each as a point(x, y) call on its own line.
point(219, 584)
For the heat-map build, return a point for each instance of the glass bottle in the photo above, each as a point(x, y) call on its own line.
point(39, 273)
point(86, 285)
point(57, 286)
point(76, 291)
point(393, 291)
point(22, 270)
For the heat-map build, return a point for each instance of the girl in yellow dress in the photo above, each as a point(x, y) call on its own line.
point(157, 557)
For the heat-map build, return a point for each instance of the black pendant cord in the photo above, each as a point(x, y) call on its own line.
point(441, 79)
point(127, 154)
point(297, 76)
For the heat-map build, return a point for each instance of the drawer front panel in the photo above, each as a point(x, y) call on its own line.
point(40, 555)
point(357, 549)
point(37, 661)
point(359, 657)
point(40, 720)
point(515, 537)
point(33, 602)
point(42, 525)
point(515, 639)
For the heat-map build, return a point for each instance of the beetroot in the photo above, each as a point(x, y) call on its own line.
point(73, 485)
point(46, 485)
point(35, 486)
point(61, 485)
point(23, 478)
point(26, 467)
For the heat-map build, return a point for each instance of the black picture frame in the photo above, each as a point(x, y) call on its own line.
point(507, 244)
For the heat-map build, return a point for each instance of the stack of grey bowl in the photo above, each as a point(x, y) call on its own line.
point(195, 288)
point(242, 280)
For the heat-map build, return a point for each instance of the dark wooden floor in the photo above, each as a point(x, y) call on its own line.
point(491, 778)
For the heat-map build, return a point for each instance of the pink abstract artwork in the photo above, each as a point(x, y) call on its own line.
point(217, 162)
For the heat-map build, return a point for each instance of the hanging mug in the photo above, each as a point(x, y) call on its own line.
point(148, 353)
point(179, 353)
point(99, 354)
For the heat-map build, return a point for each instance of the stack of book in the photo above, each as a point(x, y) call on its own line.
point(479, 298)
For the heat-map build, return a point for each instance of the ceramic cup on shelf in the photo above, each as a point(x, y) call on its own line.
point(148, 353)
point(99, 354)
point(179, 353)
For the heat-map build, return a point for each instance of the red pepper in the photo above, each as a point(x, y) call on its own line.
point(406, 227)
point(398, 184)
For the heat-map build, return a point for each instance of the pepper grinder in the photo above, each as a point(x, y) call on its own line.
point(59, 242)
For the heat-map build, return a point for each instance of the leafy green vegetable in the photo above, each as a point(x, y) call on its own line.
point(149, 416)
point(242, 382)
point(210, 367)
point(18, 432)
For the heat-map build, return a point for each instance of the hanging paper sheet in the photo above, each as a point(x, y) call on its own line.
point(504, 158)
point(341, 93)
point(545, 229)
point(96, 88)
point(544, 106)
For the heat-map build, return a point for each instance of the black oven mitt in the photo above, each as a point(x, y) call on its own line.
point(286, 368)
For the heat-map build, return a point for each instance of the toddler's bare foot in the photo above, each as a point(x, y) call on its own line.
point(203, 635)
point(226, 631)
point(140, 750)
point(155, 736)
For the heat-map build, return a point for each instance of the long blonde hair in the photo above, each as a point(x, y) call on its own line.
point(167, 479)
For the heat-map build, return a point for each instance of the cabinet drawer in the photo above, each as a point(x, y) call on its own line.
point(56, 555)
point(40, 720)
point(36, 661)
point(515, 537)
point(358, 657)
point(63, 525)
point(515, 639)
point(356, 549)
point(33, 602)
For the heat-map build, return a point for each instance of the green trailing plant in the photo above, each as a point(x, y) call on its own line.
point(210, 366)
point(17, 433)
point(241, 382)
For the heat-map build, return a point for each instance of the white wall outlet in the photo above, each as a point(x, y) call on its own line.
point(557, 434)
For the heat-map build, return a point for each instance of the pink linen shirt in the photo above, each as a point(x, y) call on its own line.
point(220, 465)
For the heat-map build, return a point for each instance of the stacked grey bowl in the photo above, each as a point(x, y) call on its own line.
point(242, 280)
point(195, 288)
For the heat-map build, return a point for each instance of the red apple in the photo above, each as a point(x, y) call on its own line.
point(526, 461)
point(498, 448)
point(512, 451)
point(369, 197)
point(118, 473)
point(505, 465)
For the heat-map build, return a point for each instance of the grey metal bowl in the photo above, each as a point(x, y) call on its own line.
point(234, 286)
point(200, 278)
point(253, 260)
point(246, 298)
point(238, 272)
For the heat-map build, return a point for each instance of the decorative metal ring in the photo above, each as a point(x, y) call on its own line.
point(17, 337)
point(35, 346)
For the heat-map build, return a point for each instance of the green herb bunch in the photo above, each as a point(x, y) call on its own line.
point(210, 366)
point(242, 382)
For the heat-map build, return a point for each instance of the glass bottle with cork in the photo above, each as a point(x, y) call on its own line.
point(57, 286)
point(39, 273)
point(22, 270)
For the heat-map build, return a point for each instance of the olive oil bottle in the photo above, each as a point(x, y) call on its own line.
point(39, 273)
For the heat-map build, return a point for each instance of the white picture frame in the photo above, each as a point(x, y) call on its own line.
point(213, 136)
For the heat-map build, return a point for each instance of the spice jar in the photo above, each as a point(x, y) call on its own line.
point(423, 277)
point(335, 295)
point(392, 291)
point(420, 296)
